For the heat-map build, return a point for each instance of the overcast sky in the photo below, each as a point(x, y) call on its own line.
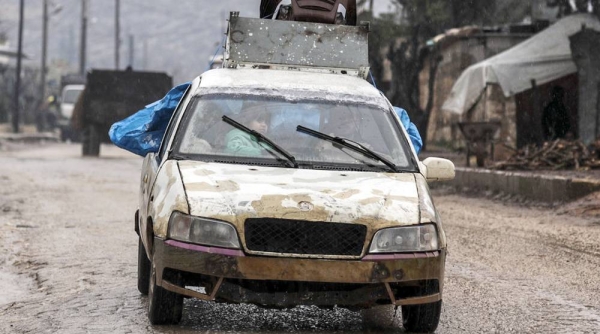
point(176, 36)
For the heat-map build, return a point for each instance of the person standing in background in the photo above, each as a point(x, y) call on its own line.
point(555, 118)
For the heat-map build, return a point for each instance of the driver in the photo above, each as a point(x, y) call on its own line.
point(241, 143)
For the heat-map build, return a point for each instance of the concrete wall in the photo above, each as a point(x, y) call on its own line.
point(585, 46)
point(537, 187)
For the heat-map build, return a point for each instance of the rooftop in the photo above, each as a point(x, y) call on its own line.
point(289, 80)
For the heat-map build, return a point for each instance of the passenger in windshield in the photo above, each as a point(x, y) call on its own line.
point(241, 143)
point(346, 124)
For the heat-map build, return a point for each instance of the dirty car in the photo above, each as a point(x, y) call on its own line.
point(329, 207)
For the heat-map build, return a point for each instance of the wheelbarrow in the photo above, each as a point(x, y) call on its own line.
point(480, 140)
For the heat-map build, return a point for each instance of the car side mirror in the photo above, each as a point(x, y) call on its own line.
point(437, 169)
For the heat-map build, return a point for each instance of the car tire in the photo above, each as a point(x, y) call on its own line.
point(91, 141)
point(164, 307)
point(381, 317)
point(422, 318)
point(63, 135)
point(94, 140)
point(85, 142)
point(144, 269)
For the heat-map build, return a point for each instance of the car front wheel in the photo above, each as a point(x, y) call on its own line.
point(422, 318)
point(164, 307)
point(144, 268)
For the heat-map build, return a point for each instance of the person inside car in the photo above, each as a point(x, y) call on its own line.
point(241, 143)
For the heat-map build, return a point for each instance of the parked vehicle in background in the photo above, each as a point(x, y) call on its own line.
point(110, 96)
point(69, 96)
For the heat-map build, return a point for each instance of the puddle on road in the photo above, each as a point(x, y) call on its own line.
point(12, 287)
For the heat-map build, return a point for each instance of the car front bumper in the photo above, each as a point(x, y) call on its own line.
point(398, 279)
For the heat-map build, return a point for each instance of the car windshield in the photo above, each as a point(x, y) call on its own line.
point(206, 134)
point(71, 95)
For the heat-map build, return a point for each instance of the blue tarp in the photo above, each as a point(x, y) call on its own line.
point(142, 132)
point(413, 132)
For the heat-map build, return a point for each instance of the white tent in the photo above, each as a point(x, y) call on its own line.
point(544, 57)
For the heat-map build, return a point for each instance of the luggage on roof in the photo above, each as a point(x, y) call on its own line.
point(318, 11)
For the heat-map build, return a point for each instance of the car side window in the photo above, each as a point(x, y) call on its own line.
point(171, 127)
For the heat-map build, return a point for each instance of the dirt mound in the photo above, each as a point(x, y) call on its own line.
point(588, 206)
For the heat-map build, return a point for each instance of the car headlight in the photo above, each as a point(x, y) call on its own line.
point(420, 238)
point(202, 231)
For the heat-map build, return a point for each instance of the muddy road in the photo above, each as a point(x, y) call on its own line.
point(68, 260)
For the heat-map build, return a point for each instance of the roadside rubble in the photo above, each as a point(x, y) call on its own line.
point(555, 155)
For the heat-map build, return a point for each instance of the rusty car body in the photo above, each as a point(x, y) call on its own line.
point(327, 224)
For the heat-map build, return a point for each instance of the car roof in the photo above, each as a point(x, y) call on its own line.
point(289, 80)
point(74, 87)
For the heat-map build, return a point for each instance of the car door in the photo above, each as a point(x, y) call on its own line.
point(151, 167)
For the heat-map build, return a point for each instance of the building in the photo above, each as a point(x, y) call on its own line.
point(514, 86)
point(461, 48)
point(6, 54)
point(585, 46)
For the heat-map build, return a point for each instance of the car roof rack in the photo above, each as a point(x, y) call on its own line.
point(297, 46)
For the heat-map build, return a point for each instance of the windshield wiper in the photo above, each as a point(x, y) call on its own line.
point(261, 138)
point(351, 144)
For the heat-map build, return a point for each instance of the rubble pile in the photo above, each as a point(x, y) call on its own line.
point(555, 155)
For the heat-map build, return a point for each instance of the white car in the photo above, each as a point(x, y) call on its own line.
point(69, 97)
point(283, 188)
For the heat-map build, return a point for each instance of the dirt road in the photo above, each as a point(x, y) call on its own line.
point(68, 260)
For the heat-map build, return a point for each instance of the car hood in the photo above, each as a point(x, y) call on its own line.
point(235, 192)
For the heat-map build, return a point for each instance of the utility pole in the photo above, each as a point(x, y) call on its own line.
point(145, 56)
point(71, 49)
point(83, 45)
point(117, 32)
point(15, 119)
point(131, 50)
point(43, 66)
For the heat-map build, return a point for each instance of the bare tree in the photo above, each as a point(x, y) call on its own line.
point(29, 98)
point(581, 6)
point(407, 62)
point(3, 37)
point(564, 6)
point(596, 7)
point(421, 21)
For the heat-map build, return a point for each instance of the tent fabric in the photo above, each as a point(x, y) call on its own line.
point(544, 57)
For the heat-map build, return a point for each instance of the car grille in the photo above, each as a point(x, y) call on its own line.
point(303, 237)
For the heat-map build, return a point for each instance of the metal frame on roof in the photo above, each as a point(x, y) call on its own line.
point(303, 46)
